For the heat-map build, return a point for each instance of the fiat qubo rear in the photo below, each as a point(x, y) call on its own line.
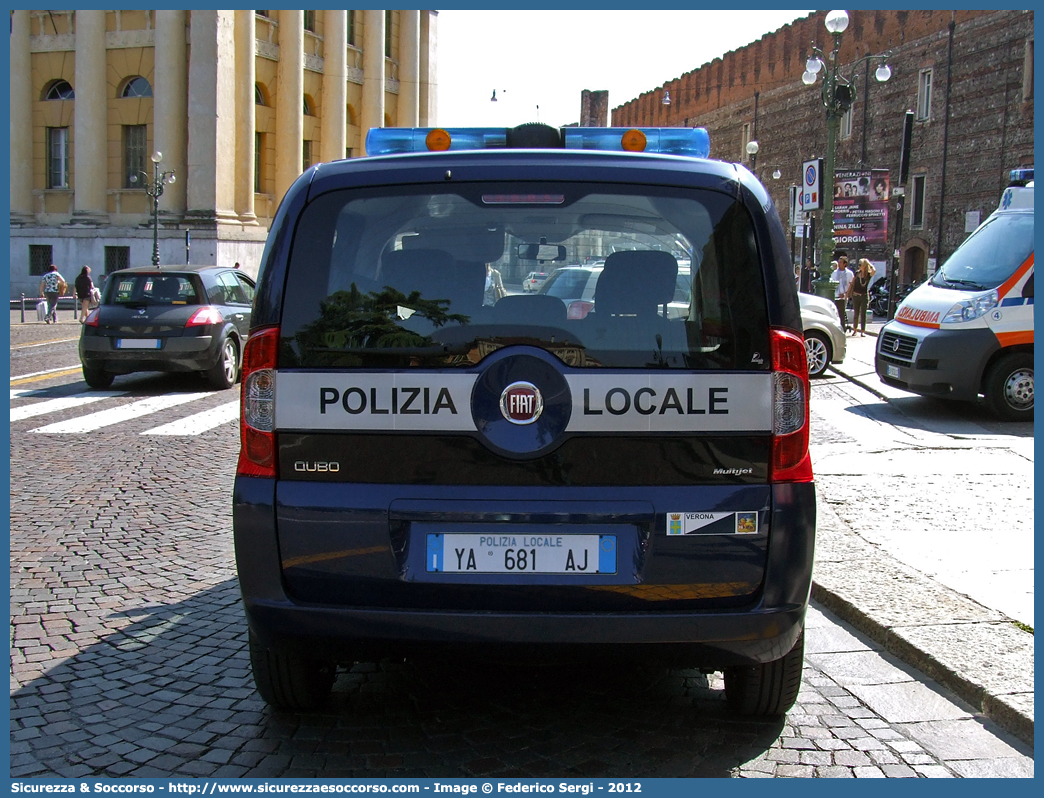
point(428, 463)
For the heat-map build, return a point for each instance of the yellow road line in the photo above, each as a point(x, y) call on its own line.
point(38, 377)
point(44, 343)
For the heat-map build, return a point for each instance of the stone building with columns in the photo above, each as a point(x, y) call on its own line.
point(238, 103)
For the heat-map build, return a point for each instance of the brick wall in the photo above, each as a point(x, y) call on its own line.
point(594, 108)
point(980, 125)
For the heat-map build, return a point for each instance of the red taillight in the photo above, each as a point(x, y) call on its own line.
point(205, 315)
point(257, 405)
point(92, 318)
point(579, 309)
point(790, 395)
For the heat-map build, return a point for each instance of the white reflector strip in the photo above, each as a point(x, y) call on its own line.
point(657, 402)
point(601, 402)
point(401, 401)
point(199, 422)
point(60, 404)
point(116, 415)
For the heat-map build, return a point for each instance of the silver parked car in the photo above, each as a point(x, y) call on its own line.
point(824, 336)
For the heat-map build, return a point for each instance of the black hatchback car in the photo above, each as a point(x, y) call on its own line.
point(169, 318)
point(422, 470)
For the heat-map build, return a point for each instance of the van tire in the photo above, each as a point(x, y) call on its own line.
point(1009, 387)
point(769, 689)
point(287, 681)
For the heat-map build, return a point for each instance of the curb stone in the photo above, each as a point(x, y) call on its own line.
point(976, 652)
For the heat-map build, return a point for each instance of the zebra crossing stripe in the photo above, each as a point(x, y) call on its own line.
point(60, 404)
point(199, 422)
point(116, 415)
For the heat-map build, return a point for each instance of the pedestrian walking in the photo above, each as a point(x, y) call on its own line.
point(494, 290)
point(809, 276)
point(84, 286)
point(861, 294)
point(843, 277)
point(52, 286)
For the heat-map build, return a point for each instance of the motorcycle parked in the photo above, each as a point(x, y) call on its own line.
point(878, 302)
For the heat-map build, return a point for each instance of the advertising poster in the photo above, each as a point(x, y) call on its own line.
point(861, 207)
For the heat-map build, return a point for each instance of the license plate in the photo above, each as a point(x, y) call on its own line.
point(893, 371)
point(570, 555)
point(137, 343)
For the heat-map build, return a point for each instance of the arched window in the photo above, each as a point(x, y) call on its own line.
point(59, 90)
point(259, 95)
point(309, 106)
point(137, 87)
point(350, 115)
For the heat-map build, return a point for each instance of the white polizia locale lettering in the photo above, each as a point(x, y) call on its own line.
point(410, 401)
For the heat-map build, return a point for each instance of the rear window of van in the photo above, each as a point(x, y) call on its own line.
point(431, 277)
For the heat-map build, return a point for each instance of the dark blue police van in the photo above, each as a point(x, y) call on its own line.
point(429, 461)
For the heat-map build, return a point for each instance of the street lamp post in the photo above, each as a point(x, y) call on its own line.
point(154, 188)
point(752, 151)
point(837, 98)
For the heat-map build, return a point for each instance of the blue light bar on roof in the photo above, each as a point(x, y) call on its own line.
point(1020, 177)
point(389, 140)
point(691, 141)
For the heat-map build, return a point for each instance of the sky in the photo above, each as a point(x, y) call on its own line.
point(539, 62)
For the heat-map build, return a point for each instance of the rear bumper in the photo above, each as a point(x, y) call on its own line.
point(709, 639)
point(761, 630)
point(195, 353)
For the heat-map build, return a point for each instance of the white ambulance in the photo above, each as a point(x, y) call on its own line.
point(969, 329)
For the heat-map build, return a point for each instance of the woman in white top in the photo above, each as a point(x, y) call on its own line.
point(843, 277)
point(52, 286)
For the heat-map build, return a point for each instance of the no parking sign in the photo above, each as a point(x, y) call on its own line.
point(811, 184)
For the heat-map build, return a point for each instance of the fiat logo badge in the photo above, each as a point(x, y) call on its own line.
point(521, 403)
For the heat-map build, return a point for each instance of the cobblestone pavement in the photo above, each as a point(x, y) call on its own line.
point(128, 657)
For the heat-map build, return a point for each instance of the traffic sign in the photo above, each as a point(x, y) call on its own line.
point(811, 184)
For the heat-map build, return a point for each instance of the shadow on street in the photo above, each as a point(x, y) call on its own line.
point(171, 694)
